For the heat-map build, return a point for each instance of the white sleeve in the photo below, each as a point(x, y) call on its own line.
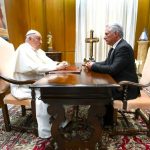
point(29, 61)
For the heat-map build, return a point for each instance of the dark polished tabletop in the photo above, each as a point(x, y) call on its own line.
point(82, 78)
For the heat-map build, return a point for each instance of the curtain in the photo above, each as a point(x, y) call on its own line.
point(95, 15)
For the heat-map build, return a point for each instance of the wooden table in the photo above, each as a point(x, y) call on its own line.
point(85, 88)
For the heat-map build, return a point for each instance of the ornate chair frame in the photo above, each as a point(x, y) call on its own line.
point(139, 104)
point(8, 98)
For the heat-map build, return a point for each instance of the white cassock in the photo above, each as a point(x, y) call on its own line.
point(32, 64)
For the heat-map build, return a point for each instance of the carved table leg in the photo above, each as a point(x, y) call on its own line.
point(87, 134)
point(57, 112)
point(95, 121)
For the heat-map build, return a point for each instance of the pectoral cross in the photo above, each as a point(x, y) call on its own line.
point(91, 40)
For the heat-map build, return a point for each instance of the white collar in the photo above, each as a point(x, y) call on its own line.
point(114, 46)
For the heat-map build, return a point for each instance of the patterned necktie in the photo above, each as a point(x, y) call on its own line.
point(111, 52)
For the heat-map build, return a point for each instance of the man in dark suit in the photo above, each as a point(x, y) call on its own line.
point(119, 64)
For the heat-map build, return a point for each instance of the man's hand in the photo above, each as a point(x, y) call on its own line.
point(89, 64)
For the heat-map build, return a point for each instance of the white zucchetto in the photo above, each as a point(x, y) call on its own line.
point(32, 32)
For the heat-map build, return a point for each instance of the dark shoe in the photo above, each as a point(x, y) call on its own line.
point(42, 143)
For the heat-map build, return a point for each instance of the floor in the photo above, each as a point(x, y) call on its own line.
point(9, 106)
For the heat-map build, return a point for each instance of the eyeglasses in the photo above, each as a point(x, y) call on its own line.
point(37, 38)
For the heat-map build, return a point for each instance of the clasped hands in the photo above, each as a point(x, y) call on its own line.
point(62, 65)
point(89, 64)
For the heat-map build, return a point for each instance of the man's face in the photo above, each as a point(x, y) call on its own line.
point(36, 41)
point(110, 37)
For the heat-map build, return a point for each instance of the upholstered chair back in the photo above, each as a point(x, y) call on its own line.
point(6, 63)
point(146, 71)
point(7, 57)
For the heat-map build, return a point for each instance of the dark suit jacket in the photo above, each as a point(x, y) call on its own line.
point(121, 66)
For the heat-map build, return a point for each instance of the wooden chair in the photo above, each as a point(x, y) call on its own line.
point(8, 98)
point(7, 56)
point(140, 104)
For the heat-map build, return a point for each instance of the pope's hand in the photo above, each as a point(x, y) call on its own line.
point(62, 65)
point(65, 63)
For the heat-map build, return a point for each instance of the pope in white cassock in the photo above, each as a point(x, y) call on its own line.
point(31, 63)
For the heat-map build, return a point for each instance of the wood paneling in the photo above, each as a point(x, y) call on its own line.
point(37, 16)
point(69, 56)
point(18, 20)
point(60, 20)
point(70, 30)
point(55, 16)
point(55, 23)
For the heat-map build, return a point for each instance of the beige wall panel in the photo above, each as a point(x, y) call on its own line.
point(142, 20)
point(17, 20)
point(55, 22)
point(149, 22)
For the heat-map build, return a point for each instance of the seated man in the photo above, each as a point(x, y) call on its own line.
point(31, 63)
point(119, 64)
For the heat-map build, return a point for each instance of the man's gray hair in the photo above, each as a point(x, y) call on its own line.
point(117, 28)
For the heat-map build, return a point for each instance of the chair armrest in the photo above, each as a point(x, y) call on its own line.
point(129, 83)
point(16, 81)
point(125, 85)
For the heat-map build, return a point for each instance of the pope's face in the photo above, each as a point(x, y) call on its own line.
point(36, 41)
